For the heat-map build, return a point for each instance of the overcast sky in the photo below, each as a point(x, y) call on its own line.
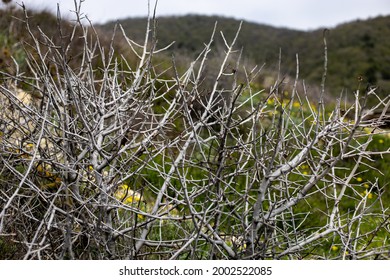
point(296, 14)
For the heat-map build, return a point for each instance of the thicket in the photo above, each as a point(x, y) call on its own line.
point(106, 155)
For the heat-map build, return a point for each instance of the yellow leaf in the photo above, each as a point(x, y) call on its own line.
point(127, 195)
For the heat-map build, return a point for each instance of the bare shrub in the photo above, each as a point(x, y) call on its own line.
point(116, 160)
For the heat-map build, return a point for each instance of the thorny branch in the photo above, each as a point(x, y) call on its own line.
point(112, 159)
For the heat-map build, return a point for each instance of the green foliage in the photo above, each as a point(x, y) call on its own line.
point(8, 249)
point(358, 48)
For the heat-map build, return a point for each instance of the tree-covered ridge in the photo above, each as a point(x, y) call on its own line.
point(357, 49)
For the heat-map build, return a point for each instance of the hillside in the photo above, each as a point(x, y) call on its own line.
point(359, 48)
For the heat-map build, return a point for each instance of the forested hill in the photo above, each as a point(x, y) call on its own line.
point(359, 48)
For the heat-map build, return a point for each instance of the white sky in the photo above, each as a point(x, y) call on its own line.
point(297, 14)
